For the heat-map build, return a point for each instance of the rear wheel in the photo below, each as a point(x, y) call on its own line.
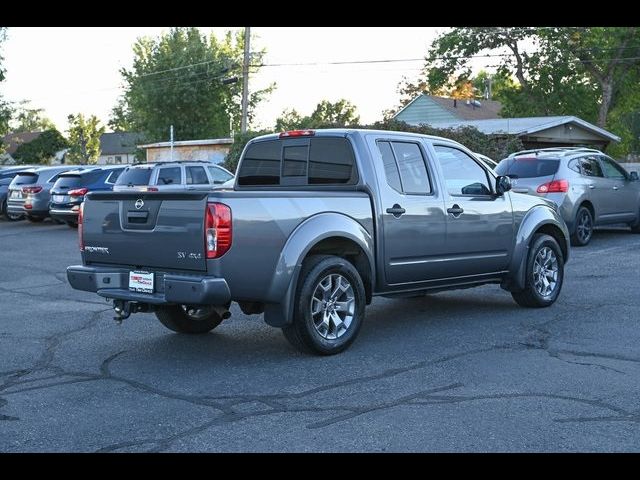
point(583, 230)
point(12, 217)
point(544, 274)
point(329, 306)
point(186, 319)
point(34, 219)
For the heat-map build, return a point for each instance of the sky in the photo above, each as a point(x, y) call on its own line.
point(76, 69)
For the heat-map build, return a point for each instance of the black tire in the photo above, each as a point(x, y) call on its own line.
point(33, 219)
point(635, 226)
point(11, 217)
point(72, 224)
point(303, 333)
point(58, 222)
point(176, 318)
point(531, 296)
point(583, 229)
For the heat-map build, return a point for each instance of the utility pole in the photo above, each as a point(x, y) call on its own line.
point(245, 79)
point(171, 137)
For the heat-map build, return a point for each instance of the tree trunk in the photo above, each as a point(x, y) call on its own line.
point(607, 98)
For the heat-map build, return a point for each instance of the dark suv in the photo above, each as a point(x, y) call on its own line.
point(589, 187)
point(69, 190)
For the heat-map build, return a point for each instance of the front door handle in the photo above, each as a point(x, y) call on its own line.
point(592, 186)
point(396, 210)
point(456, 210)
point(615, 187)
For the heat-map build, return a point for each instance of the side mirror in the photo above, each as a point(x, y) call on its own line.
point(633, 176)
point(503, 184)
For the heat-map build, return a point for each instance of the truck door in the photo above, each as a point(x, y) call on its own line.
point(480, 232)
point(413, 217)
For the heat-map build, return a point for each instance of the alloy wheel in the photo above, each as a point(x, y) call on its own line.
point(545, 272)
point(333, 306)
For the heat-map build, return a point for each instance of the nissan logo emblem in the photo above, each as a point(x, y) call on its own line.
point(139, 204)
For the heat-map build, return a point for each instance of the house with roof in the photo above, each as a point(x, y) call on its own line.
point(118, 147)
point(534, 132)
point(10, 144)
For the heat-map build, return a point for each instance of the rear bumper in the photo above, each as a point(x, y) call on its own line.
point(169, 288)
point(63, 214)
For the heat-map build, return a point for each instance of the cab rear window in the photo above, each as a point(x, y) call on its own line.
point(311, 161)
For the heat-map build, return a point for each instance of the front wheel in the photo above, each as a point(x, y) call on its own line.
point(583, 230)
point(635, 226)
point(186, 319)
point(544, 275)
point(329, 306)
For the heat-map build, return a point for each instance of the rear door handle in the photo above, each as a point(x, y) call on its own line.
point(456, 210)
point(396, 210)
point(615, 187)
point(592, 186)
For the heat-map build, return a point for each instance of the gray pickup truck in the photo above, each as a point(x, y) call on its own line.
point(317, 223)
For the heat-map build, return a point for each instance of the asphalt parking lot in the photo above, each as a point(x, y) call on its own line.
point(467, 370)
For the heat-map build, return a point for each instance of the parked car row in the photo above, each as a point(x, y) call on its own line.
point(36, 193)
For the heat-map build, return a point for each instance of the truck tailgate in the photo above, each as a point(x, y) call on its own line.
point(117, 229)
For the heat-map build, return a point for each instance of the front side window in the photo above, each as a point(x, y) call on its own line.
point(169, 176)
point(612, 169)
point(462, 174)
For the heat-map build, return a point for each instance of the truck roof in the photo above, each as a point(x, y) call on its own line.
point(345, 131)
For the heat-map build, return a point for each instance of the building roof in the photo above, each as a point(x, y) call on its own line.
point(13, 140)
point(430, 108)
point(190, 143)
point(526, 125)
point(119, 143)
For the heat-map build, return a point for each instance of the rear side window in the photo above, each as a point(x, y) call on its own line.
point(590, 167)
point(113, 176)
point(25, 178)
point(391, 171)
point(196, 176)
point(169, 176)
point(134, 176)
point(218, 175)
point(413, 172)
point(315, 161)
point(528, 167)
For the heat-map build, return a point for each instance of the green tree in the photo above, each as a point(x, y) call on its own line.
point(30, 119)
point(326, 114)
point(577, 70)
point(177, 79)
point(84, 139)
point(5, 108)
point(42, 149)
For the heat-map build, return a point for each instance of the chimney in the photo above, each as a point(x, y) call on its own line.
point(455, 103)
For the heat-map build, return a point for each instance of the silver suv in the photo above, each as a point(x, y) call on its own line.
point(171, 176)
point(589, 187)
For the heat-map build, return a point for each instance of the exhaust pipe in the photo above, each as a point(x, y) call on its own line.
point(222, 312)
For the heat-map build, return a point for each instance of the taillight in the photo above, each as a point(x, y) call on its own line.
point(78, 192)
point(36, 189)
point(217, 230)
point(151, 189)
point(557, 186)
point(298, 133)
point(80, 228)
